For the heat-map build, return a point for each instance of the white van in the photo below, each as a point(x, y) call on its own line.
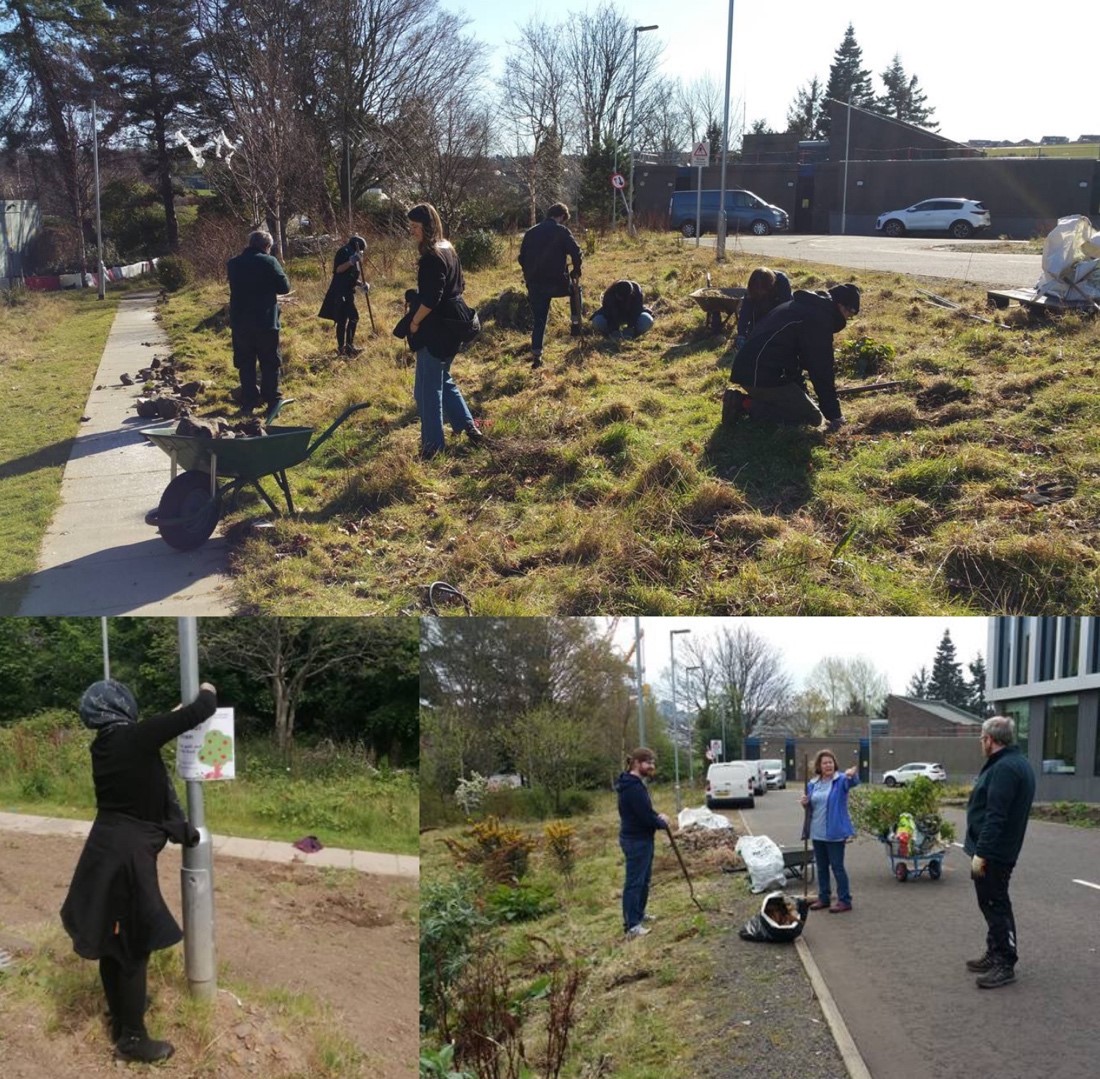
point(733, 782)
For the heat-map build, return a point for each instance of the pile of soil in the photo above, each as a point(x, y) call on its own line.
point(167, 397)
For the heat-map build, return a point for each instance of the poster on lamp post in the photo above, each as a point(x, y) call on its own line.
point(208, 751)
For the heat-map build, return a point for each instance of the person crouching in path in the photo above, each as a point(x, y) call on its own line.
point(255, 280)
point(542, 257)
point(114, 911)
point(996, 819)
point(339, 302)
point(438, 280)
point(828, 824)
point(638, 821)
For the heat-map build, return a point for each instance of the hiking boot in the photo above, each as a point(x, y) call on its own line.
point(998, 976)
point(819, 904)
point(731, 406)
point(840, 908)
point(536, 360)
point(474, 434)
point(637, 931)
point(352, 350)
point(980, 966)
point(142, 1048)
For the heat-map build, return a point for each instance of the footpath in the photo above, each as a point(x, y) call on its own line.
point(99, 556)
point(265, 850)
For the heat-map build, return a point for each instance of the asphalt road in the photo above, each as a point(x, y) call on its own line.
point(895, 964)
point(970, 260)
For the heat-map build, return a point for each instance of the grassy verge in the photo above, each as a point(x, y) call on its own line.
point(609, 484)
point(50, 347)
point(653, 1008)
point(330, 793)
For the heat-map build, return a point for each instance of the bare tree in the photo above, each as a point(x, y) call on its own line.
point(702, 108)
point(753, 678)
point(847, 685)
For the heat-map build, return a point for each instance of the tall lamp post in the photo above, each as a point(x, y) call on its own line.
point(720, 245)
point(672, 633)
point(633, 93)
point(101, 284)
point(691, 741)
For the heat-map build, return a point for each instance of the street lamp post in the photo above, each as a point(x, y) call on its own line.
point(691, 741)
point(844, 197)
point(633, 93)
point(101, 284)
point(672, 633)
point(720, 246)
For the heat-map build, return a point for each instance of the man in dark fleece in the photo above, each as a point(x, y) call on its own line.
point(638, 821)
point(114, 911)
point(542, 257)
point(996, 819)
point(794, 339)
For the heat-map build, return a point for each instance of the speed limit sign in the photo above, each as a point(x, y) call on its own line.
point(618, 181)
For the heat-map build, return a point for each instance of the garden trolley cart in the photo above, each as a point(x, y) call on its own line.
point(216, 469)
point(913, 863)
point(719, 304)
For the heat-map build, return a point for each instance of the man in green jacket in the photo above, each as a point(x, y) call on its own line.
point(255, 281)
point(996, 819)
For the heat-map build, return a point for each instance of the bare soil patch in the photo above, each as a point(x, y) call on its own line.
point(344, 939)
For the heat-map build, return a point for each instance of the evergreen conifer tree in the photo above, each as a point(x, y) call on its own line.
point(947, 682)
point(849, 80)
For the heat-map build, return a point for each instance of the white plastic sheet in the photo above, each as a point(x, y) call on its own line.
point(701, 817)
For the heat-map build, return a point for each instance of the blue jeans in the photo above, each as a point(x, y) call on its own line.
point(644, 324)
point(639, 869)
point(831, 856)
point(540, 313)
point(436, 396)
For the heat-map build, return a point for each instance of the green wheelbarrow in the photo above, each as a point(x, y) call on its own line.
point(216, 470)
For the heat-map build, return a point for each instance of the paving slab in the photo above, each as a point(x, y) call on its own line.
point(98, 555)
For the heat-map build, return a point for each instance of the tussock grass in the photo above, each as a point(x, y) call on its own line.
point(607, 482)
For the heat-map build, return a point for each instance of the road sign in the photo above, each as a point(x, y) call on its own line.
point(618, 181)
point(715, 748)
point(700, 155)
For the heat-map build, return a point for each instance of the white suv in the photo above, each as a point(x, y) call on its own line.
point(908, 772)
point(960, 217)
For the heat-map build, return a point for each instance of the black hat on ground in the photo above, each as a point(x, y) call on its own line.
point(848, 295)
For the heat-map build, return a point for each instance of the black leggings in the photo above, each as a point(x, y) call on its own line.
point(346, 321)
point(124, 985)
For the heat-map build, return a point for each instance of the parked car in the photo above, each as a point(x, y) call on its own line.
point(898, 777)
point(775, 774)
point(731, 781)
point(960, 217)
point(760, 786)
point(745, 212)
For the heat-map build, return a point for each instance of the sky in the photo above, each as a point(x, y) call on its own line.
point(989, 71)
point(898, 647)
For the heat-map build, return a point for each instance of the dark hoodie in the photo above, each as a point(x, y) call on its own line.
point(637, 817)
point(793, 339)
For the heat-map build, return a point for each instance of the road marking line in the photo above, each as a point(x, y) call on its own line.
point(1088, 884)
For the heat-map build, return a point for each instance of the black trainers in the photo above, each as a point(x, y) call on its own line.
point(980, 966)
point(142, 1048)
point(475, 434)
point(732, 406)
point(352, 350)
point(997, 977)
point(536, 360)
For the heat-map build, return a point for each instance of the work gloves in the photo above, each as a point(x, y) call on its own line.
point(977, 866)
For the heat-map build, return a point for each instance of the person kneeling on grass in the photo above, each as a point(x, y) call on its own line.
point(794, 340)
point(638, 822)
point(623, 312)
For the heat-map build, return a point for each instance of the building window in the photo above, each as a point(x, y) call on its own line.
point(1047, 629)
point(1003, 646)
point(1023, 652)
point(1060, 736)
point(1071, 647)
point(1020, 714)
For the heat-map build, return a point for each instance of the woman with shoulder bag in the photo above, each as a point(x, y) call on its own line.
point(431, 333)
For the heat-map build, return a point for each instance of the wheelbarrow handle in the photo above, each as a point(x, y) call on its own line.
point(332, 427)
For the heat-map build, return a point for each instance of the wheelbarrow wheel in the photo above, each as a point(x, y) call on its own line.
point(934, 870)
point(187, 515)
point(901, 871)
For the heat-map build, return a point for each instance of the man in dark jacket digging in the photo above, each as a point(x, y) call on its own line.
point(794, 340)
point(996, 819)
point(542, 257)
point(638, 822)
point(623, 311)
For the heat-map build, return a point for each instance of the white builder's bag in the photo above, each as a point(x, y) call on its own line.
point(764, 861)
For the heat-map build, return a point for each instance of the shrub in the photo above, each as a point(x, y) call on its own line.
point(519, 903)
point(500, 852)
point(470, 793)
point(479, 250)
point(173, 272)
point(864, 357)
point(561, 842)
point(876, 809)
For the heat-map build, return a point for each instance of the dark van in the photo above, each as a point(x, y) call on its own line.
point(745, 212)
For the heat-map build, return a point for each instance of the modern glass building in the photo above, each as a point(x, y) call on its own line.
point(1045, 673)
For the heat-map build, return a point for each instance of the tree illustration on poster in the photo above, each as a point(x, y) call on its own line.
point(216, 751)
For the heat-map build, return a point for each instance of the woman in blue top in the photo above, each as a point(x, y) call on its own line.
point(829, 826)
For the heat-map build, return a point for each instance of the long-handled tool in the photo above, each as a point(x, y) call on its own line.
point(370, 311)
point(806, 836)
point(687, 876)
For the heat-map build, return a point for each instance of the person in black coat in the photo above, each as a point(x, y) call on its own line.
point(996, 819)
point(765, 289)
point(439, 287)
point(255, 281)
point(114, 911)
point(794, 340)
point(623, 310)
point(542, 257)
point(339, 302)
point(638, 822)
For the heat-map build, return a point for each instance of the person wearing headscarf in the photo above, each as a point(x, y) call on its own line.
point(339, 302)
point(114, 911)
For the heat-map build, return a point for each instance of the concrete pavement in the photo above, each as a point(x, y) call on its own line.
point(99, 556)
point(379, 864)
